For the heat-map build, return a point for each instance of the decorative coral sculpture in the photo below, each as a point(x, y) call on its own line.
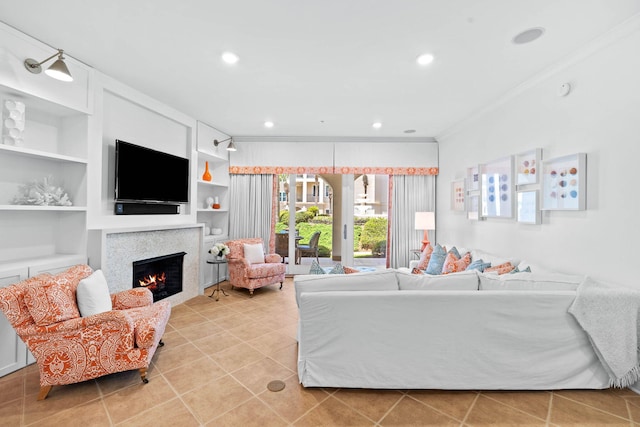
point(42, 193)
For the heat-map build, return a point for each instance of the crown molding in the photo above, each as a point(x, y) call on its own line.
point(629, 26)
point(333, 139)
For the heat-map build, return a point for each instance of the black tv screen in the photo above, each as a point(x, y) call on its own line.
point(146, 175)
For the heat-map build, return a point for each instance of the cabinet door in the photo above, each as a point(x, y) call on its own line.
point(13, 352)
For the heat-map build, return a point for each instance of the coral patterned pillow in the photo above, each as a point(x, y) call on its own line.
point(51, 303)
point(500, 269)
point(454, 265)
point(424, 257)
point(349, 270)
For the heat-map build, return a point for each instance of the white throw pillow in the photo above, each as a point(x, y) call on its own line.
point(93, 295)
point(254, 253)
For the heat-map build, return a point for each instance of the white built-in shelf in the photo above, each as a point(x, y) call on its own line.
point(212, 210)
point(43, 208)
point(212, 157)
point(212, 184)
point(28, 152)
point(215, 237)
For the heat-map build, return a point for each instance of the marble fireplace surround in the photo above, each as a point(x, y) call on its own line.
point(115, 250)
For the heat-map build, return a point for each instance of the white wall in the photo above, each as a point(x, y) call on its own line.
point(601, 117)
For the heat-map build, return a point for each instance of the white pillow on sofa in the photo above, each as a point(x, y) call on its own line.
point(461, 281)
point(254, 253)
point(92, 295)
point(529, 281)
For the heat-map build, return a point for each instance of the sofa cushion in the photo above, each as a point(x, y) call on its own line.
point(437, 260)
point(461, 281)
point(500, 269)
point(93, 295)
point(479, 265)
point(51, 302)
point(337, 269)
point(425, 256)
point(258, 271)
point(454, 265)
point(529, 281)
point(382, 280)
point(315, 268)
point(254, 253)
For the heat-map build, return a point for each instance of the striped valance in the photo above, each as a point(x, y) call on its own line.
point(335, 170)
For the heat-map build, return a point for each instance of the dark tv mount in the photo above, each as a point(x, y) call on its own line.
point(132, 208)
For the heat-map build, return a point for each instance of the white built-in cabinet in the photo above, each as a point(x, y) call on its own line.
point(13, 352)
point(217, 159)
point(54, 147)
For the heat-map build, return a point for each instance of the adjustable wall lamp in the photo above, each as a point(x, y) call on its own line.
point(230, 147)
point(58, 70)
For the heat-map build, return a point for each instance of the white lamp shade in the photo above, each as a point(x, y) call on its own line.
point(425, 221)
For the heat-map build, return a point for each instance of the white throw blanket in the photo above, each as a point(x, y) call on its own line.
point(609, 316)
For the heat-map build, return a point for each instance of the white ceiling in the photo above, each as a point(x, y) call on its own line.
point(319, 67)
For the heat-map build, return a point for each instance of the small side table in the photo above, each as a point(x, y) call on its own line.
point(217, 289)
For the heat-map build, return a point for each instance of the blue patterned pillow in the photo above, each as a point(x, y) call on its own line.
point(517, 270)
point(436, 261)
point(315, 268)
point(479, 265)
point(337, 269)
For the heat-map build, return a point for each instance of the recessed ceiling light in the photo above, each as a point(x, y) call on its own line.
point(424, 59)
point(377, 125)
point(527, 36)
point(410, 131)
point(268, 124)
point(230, 57)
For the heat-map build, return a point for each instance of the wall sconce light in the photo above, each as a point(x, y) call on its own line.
point(425, 221)
point(58, 70)
point(230, 147)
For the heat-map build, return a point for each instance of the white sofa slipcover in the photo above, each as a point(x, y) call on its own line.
point(439, 339)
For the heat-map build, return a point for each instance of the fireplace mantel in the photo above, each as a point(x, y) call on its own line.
point(115, 249)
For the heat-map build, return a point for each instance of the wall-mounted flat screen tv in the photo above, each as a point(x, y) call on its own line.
point(150, 176)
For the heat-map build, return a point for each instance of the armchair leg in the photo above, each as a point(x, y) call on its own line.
point(143, 375)
point(250, 293)
point(280, 285)
point(160, 343)
point(44, 391)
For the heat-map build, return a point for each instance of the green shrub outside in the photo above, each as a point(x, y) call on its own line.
point(314, 210)
point(373, 233)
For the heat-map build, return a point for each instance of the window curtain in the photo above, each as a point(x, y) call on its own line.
point(251, 207)
point(408, 194)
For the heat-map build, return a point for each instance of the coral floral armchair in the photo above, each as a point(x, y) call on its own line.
point(252, 271)
point(69, 348)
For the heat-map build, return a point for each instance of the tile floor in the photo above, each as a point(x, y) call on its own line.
point(219, 357)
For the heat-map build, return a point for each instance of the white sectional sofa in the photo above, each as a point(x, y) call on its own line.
point(468, 330)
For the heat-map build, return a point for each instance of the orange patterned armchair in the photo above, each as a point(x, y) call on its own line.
point(252, 271)
point(69, 348)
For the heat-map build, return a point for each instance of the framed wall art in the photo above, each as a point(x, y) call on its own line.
point(473, 211)
point(564, 183)
point(528, 167)
point(473, 179)
point(497, 189)
point(527, 207)
point(457, 195)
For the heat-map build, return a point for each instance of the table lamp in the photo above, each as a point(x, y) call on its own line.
point(425, 221)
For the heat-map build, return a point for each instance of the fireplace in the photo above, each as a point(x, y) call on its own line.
point(161, 275)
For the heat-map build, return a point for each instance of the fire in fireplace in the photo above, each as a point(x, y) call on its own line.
point(161, 275)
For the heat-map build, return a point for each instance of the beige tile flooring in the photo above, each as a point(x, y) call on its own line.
point(219, 357)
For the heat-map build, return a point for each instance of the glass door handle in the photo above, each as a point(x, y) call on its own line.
point(345, 232)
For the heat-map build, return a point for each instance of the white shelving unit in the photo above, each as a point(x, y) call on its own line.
point(55, 147)
point(218, 160)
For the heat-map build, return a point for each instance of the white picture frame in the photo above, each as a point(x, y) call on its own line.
point(527, 207)
point(564, 183)
point(497, 188)
point(528, 167)
point(458, 195)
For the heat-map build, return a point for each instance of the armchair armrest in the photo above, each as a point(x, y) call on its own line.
point(237, 261)
point(271, 258)
point(131, 298)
